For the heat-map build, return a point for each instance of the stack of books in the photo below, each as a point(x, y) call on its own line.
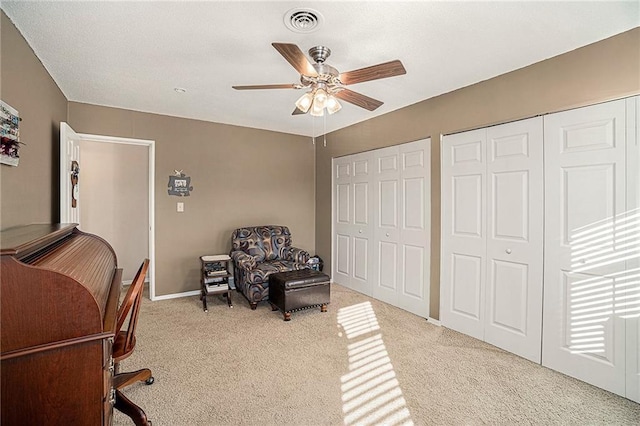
point(213, 287)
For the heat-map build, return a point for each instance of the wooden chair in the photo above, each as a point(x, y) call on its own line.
point(123, 345)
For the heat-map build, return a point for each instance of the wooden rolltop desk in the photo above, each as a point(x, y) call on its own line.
point(59, 291)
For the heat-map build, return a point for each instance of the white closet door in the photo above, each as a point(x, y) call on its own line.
point(352, 221)
point(515, 237)
point(342, 221)
point(584, 256)
point(414, 215)
point(386, 184)
point(629, 295)
point(362, 226)
point(464, 240)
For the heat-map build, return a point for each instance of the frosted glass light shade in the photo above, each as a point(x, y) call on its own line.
point(321, 98)
point(333, 105)
point(317, 110)
point(305, 101)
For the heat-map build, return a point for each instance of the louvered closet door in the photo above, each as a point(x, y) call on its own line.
point(513, 302)
point(585, 253)
point(464, 240)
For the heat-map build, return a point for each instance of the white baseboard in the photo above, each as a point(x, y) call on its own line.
point(177, 295)
point(434, 322)
point(128, 282)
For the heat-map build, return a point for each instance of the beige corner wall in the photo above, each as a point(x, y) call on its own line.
point(29, 192)
point(240, 177)
point(606, 70)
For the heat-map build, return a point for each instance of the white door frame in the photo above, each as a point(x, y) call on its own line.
point(152, 155)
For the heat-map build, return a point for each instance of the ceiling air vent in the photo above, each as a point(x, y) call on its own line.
point(303, 20)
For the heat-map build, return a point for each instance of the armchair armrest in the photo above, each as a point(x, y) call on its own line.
point(243, 260)
point(297, 255)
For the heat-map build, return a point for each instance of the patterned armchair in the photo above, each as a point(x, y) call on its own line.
point(259, 251)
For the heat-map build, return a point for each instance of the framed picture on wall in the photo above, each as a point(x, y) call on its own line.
point(10, 135)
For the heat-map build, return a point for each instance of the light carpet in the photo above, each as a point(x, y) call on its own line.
point(362, 362)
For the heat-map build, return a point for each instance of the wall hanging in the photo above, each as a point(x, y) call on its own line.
point(10, 134)
point(179, 184)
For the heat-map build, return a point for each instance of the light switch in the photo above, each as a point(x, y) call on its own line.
point(180, 207)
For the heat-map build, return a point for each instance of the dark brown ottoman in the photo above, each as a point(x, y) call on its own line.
point(296, 290)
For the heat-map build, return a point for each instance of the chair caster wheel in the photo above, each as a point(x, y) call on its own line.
point(149, 381)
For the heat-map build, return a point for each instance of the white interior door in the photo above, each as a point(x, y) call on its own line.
point(515, 238)
point(362, 224)
point(386, 184)
point(492, 235)
point(415, 223)
point(353, 227)
point(381, 224)
point(464, 241)
point(629, 294)
point(342, 221)
point(584, 255)
point(69, 191)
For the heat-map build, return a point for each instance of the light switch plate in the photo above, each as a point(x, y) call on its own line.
point(180, 207)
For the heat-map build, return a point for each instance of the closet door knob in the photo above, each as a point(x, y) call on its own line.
point(508, 251)
point(360, 231)
point(387, 234)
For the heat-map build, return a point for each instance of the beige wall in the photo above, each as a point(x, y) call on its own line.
point(29, 192)
point(240, 177)
point(602, 71)
point(245, 176)
point(114, 201)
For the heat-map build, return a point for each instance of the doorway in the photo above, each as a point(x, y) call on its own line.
point(114, 194)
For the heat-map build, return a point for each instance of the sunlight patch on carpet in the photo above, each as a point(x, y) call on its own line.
point(371, 393)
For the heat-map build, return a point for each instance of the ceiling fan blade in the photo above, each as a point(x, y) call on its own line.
point(374, 72)
point(297, 111)
point(358, 99)
point(296, 58)
point(268, 86)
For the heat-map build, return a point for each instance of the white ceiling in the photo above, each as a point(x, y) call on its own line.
point(133, 54)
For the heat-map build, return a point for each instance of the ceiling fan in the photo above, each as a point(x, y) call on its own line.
point(325, 83)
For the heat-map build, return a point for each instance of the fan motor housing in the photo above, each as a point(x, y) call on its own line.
point(319, 53)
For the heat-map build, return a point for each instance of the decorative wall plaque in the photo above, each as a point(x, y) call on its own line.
point(179, 184)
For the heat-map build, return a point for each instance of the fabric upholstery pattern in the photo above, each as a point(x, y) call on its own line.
point(259, 251)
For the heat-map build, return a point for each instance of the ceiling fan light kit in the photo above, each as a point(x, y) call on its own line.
point(326, 83)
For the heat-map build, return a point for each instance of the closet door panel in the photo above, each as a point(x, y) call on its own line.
point(585, 254)
point(632, 385)
point(361, 229)
point(387, 224)
point(414, 231)
point(515, 237)
point(628, 303)
point(342, 174)
point(463, 258)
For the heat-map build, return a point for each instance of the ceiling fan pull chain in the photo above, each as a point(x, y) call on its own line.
point(324, 129)
point(313, 129)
